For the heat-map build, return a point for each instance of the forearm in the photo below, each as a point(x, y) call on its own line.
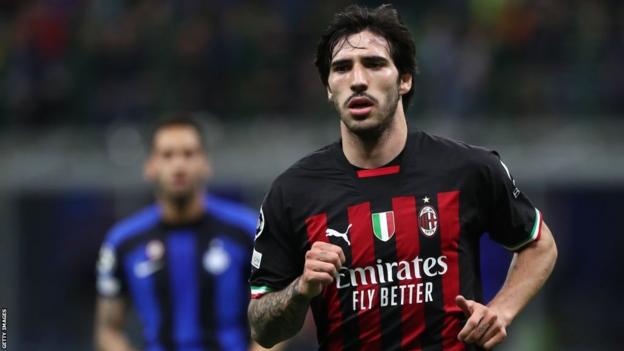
point(109, 325)
point(256, 347)
point(529, 270)
point(277, 316)
point(108, 339)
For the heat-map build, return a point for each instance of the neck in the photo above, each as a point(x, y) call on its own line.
point(374, 153)
point(181, 210)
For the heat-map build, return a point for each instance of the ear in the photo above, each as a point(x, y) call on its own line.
point(207, 169)
point(329, 94)
point(405, 83)
point(149, 169)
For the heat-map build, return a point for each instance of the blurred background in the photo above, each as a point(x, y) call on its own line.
point(80, 82)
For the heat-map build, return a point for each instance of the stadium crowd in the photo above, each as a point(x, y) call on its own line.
point(98, 61)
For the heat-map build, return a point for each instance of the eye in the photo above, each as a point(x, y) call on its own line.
point(341, 67)
point(167, 154)
point(376, 63)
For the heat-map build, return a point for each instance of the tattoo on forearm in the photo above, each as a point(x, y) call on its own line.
point(279, 315)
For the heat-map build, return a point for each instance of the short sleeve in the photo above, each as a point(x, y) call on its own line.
point(109, 282)
point(274, 260)
point(512, 220)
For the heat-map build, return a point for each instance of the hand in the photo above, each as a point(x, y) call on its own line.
point(485, 326)
point(322, 263)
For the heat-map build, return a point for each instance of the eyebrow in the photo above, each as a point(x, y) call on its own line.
point(369, 58)
point(375, 58)
point(340, 62)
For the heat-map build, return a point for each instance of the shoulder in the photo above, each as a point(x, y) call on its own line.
point(305, 179)
point(132, 226)
point(319, 164)
point(453, 153)
point(231, 213)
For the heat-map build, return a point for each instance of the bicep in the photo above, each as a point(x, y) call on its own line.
point(537, 259)
point(546, 236)
point(543, 246)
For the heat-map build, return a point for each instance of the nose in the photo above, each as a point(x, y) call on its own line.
point(178, 161)
point(359, 80)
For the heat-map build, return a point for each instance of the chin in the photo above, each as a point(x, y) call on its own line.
point(367, 132)
point(368, 128)
point(180, 194)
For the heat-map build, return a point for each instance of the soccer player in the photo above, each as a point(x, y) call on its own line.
point(379, 232)
point(183, 263)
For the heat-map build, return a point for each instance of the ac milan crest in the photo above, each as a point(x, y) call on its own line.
point(428, 221)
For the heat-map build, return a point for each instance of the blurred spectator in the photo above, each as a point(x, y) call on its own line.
point(97, 61)
point(182, 263)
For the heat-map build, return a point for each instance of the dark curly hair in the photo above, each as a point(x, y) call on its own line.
point(384, 21)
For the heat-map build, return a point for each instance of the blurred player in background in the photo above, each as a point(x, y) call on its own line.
point(379, 232)
point(182, 263)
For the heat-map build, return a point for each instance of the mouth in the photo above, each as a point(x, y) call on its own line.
point(180, 180)
point(360, 106)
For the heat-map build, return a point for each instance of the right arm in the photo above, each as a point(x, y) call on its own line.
point(110, 309)
point(279, 315)
point(109, 321)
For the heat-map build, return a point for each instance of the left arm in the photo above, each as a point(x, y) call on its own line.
point(529, 270)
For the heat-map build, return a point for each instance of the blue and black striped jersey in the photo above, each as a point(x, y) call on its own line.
point(188, 282)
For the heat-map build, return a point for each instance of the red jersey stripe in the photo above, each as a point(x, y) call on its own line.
point(316, 227)
point(363, 254)
point(448, 208)
point(375, 172)
point(407, 248)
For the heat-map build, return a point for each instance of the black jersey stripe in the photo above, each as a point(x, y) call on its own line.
point(162, 290)
point(320, 312)
point(207, 303)
point(430, 246)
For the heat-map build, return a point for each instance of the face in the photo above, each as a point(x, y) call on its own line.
point(178, 166)
point(364, 83)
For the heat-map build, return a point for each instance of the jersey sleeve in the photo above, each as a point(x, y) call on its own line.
point(109, 281)
point(512, 220)
point(274, 259)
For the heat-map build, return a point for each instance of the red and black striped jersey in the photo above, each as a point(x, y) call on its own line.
point(410, 233)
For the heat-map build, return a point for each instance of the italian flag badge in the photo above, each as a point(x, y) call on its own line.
point(383, 225)
point(259, 291)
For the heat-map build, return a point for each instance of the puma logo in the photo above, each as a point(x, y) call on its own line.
point(331, 232)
